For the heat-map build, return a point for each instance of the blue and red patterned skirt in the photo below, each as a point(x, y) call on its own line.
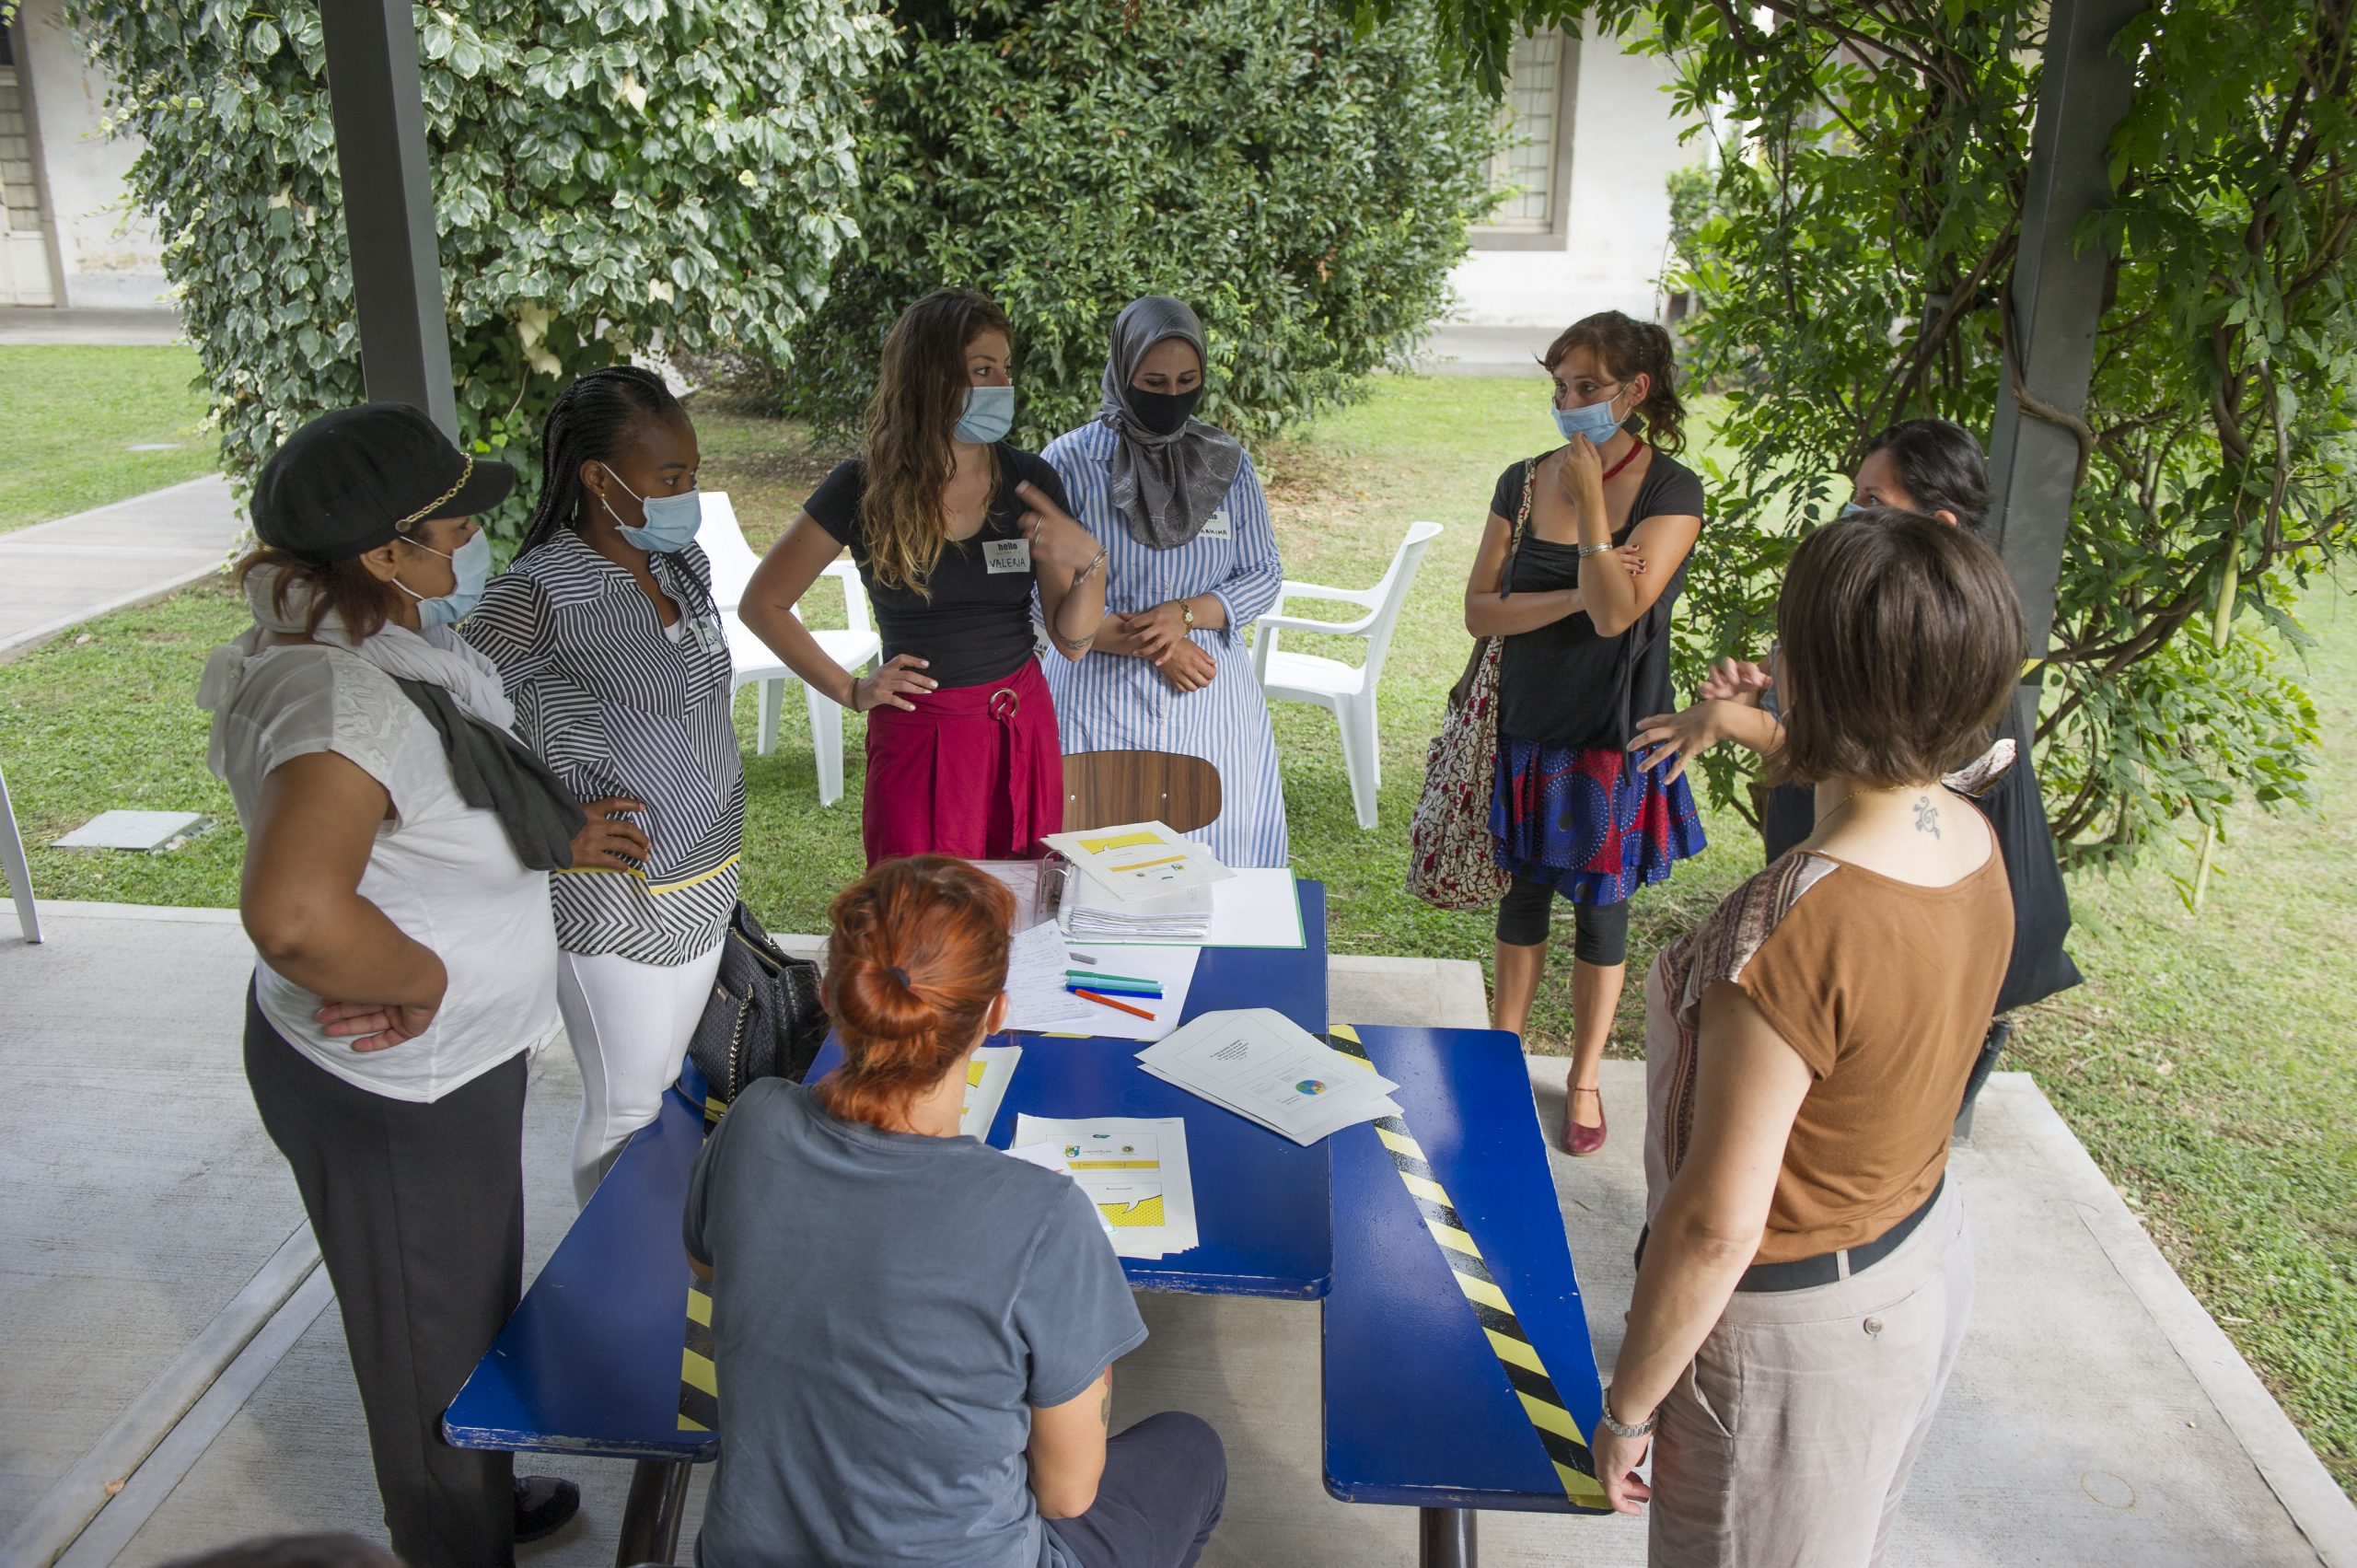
point(1584, 821)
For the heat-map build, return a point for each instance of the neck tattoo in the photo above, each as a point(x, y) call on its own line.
point(1927, 816)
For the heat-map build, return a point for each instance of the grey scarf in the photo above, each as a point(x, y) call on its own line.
point(457, 689)
point(1167, 486)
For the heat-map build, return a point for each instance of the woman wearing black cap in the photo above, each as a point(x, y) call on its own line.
point(396, 890)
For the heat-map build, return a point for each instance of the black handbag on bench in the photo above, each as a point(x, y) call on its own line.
point(763, 1019)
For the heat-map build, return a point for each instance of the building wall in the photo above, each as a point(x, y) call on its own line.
point(106, 247)
point(1624, 147)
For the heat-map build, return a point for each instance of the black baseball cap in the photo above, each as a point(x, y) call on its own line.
point(353, 479)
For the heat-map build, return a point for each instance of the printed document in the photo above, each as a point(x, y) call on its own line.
point(1134, 1170)
point(1139, 860)
point(986, 1078)
point(1265, 1067)
point(1036, 997)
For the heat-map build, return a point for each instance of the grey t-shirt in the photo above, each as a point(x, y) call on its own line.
point(886, 1307)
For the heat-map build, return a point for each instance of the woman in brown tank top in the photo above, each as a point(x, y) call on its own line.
point(1804, 1280)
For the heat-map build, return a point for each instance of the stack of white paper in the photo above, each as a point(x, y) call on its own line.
point(986, 1078)
point(1256, 907)
point(1134, 1170)
point(1091, 914)
point(1139, 860)
point(1266, 1068)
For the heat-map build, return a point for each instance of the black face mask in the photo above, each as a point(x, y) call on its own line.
point(1163, 413)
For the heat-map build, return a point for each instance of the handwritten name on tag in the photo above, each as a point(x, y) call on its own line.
point(1006, 555)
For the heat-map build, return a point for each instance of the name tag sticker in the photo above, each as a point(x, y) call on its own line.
point(1217, 526)
point(1006, 555)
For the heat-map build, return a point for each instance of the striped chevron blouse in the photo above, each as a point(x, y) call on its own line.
point(617, 705)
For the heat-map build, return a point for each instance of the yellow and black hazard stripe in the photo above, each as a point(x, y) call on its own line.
point(1558, 1432)
point(698, 1384)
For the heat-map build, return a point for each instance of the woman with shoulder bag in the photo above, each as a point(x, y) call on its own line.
point(1579, 591)
point(606, 634)
point(399, 841)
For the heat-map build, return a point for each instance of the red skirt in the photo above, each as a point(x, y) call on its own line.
point(973, 771)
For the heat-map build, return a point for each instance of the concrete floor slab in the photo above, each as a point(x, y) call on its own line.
point(138, 1193)
point(2090, 1422)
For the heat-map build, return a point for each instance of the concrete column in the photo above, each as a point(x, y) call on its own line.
point(389, 205)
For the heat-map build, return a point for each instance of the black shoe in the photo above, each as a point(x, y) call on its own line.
point(543, 1505)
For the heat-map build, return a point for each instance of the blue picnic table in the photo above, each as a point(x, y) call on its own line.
point(592, 1361)
point(1430, 1395)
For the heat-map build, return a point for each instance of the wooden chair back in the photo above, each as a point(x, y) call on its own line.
point(1105, 787)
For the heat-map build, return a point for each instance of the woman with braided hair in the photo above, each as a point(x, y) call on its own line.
point(606, 634)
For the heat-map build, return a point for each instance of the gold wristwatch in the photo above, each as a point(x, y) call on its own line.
point(1187, 612)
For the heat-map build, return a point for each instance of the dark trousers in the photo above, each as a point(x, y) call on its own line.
point(1164, 1482)
point(419, 1212)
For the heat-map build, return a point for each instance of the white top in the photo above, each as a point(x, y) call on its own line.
point(442, 871)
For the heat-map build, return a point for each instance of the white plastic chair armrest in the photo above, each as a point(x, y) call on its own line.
point(1332, 628)
point(855, 611)
point(1368, 599)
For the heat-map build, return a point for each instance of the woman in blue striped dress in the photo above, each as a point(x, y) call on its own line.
point(1192, 563)
point(610, 644)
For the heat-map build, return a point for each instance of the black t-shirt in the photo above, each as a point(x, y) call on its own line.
point(975, 626)
point(2016, 814)
point(1562, 682)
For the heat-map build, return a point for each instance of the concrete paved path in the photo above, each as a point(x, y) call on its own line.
point(2098, 1416)
point(1457, 349)
point(55, 575)
point(25, 325)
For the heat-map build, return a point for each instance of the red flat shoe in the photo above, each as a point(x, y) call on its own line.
point(1577, 1139)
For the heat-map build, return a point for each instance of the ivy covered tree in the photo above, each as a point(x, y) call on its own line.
point(1306, 189)
point(1852, 252)
point(609, 176)
point(1857, 270)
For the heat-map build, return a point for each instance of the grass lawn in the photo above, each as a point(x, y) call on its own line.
point(72, 414)
point(2206, 1062)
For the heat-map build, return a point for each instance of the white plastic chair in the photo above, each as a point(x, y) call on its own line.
point(757, 664)
point(1347, 693)
point(20, 877)
point(732, 559)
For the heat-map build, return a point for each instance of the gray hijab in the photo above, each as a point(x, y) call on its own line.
point(1167, 486)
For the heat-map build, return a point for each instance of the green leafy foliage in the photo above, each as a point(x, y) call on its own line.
point(1851, 264)
point(1306, 190)
point(1475, 38)
point(609, 176)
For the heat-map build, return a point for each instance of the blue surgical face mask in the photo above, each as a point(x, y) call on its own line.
point(1849, 509)
point(471, 562)
point(1594, 421)
point(989, 415)
point(671, 520)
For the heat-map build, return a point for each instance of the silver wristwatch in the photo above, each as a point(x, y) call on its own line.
point(1604, 1417)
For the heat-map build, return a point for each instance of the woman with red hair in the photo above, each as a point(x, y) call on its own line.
point(915, 1333)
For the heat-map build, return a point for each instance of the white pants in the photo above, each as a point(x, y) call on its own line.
point(630, 1023)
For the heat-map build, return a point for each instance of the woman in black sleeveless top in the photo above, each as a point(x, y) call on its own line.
point(1611, 517)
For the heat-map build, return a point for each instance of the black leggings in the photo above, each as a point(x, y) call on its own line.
point(1599, 932)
